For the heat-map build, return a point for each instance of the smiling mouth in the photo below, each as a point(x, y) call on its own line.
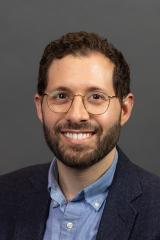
point(77, 136)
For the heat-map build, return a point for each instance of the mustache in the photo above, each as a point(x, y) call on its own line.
point(77, 126)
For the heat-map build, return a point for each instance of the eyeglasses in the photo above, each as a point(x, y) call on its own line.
point(95, 102)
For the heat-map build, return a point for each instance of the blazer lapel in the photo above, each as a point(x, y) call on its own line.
point(33, 211)
point(120, 213)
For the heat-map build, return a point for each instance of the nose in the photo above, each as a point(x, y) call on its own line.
point(77, 111)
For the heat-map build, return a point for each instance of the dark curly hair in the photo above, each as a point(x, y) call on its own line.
point(83, 43)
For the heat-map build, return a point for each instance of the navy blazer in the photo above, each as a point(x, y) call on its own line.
point(132, 211)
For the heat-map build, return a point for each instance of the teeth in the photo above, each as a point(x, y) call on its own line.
point(78, 136)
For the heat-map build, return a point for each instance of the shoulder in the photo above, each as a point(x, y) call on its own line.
point(145, 176)
point(23, 181)
point(143, 190)
point(27, 171)
point(150, 184)
point(23, 193)
point(138, 179)
point(24, 174)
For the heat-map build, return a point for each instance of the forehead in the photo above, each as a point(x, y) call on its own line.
point(81, 73)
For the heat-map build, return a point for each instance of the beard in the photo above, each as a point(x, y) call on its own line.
point(81, 156)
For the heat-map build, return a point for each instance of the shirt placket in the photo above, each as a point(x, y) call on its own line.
point(72, 214)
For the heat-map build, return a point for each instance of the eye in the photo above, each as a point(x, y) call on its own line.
point(59, 95)
point(97, 96)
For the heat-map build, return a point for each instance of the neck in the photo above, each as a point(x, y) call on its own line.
point(72, 181)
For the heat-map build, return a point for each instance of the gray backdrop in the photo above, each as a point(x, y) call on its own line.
point(25, 29)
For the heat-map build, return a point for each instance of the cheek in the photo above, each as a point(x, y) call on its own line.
point(108, 119)
point(50, 119)
point(104, 120)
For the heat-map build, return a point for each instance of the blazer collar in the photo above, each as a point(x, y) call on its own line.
point(120, 213)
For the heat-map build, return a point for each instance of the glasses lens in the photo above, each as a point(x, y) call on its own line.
point(58, 103)
point(96, 102)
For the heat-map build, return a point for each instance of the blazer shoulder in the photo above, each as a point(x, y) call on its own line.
point(24, 173)
point(133, 175)
point(149, 181)
point(23, 181)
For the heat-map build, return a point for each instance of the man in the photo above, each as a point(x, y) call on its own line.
point(90, 190)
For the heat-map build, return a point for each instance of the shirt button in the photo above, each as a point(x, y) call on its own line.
point(69, 225)
point(96, 204)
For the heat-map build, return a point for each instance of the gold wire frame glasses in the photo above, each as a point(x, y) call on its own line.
point(94, 102)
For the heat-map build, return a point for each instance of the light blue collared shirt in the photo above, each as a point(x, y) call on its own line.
point(79, 218)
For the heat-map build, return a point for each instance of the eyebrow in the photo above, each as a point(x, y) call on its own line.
point(62, 88)
point(95, 89)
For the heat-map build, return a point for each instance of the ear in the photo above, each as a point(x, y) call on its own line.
point(38, 105)
point(127, 105)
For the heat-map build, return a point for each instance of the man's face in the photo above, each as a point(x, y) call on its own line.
point(77, 138)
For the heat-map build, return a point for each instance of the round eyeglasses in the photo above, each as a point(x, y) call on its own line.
point(95, 102)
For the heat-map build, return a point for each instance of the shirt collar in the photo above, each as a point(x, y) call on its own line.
point(53, 187)
point(95, 194)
